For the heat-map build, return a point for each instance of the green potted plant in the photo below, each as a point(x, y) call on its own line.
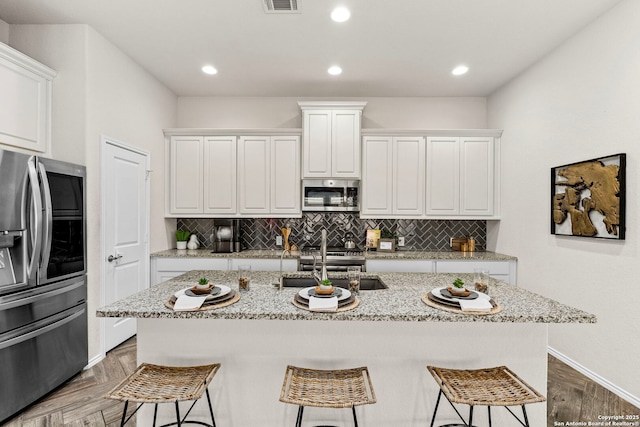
point(181, 239)
point(203, 283)
point(325, 287)
point(457, 287)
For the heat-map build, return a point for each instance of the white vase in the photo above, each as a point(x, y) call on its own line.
point(193, 242)
point(181, 245)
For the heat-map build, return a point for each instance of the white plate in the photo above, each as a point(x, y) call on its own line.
point(436, 292)
point(304, 293)
point(224, 290)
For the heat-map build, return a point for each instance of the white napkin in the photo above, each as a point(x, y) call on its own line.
point(186, 303)
point(323, 304)
point(478, 304)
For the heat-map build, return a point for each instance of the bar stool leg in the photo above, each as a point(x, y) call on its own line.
point(489, 412)
point(155, 414)
point(526, 420)
point(433, 418)
point(355, 419)
point(471, 416)
point(124, 413)
point(213, 420)
point(299, 419)
point(178, 415)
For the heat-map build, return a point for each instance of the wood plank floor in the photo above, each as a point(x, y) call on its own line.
point(571, 396)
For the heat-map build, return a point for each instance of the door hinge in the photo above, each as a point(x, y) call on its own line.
point(147, 174)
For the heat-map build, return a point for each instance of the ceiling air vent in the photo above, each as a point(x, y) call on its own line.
point(281, 6)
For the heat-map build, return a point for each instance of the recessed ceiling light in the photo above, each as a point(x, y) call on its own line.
point(460, 70)
point(340, 14)
point(209, 69)
point(334, 70)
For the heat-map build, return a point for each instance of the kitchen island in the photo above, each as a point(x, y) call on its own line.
point(392, 331)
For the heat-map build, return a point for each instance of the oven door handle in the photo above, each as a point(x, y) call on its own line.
point(47, 223)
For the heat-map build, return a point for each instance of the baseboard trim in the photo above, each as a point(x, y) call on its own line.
point(634, 400)
point(95, 360)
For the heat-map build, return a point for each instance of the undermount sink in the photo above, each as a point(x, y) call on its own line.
point(366, 283)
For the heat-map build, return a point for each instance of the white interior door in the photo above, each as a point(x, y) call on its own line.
point(125, 219)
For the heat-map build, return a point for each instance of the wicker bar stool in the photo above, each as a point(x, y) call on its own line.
point(488, 387)
point(346, 388)
point(165, 384)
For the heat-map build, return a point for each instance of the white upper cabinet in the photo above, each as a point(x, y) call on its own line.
point(285, 175)
point(25, 101)
point(220, 187)
point(461, 177)
point(393, 176)
point(331, 139)
point(186, 175)
point(218, 176)
point(269, 175)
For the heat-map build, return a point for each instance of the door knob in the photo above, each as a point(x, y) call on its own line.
point(112, 258)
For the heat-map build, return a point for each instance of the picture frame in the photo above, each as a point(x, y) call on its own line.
point(387, 245)
point(588, 198)
point(372, 238)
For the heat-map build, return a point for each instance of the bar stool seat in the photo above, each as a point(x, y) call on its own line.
point(346, 388)
point(488, 387)
point(165, 384)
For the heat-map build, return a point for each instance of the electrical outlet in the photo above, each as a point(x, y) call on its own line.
point(278, 240)
point(451, 242)
point(400, 240)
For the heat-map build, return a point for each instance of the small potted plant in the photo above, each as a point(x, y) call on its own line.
point(203, 283)
point(325, 288)
point(181, 239)
point(457, 287)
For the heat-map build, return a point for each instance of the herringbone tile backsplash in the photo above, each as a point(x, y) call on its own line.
point(419, 234)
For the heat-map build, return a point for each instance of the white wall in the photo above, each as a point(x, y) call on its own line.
point(580, 102)
point(4, 32)
point(100, 91)
point(256, 112)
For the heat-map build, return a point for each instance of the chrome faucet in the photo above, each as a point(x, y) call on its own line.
point(281, 282)
point(319, 278)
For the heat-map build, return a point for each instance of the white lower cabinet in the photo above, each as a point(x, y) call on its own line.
point(163, 269)
point(265, 264)
point(501, 270)
point(399, 266)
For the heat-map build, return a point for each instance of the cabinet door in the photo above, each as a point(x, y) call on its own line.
point(476, 186)
point(408, 175)
point(317, 143)
point(220, 175)
point(377, 176)
point(285, 175)
point(187, 176)
point(443, 176)
point(345, 143)
point(254, 178)
point(25, 100)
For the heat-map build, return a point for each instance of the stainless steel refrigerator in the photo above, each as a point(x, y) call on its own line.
point(43, 291)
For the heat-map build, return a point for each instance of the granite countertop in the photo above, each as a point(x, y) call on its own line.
point(401, 302)
point(275, 254)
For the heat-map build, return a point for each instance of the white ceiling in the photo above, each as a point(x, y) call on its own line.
point(387, 48)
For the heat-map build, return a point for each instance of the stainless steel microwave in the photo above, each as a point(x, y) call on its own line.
point(330, 195)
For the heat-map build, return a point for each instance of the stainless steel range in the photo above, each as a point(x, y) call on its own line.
point(338, 258)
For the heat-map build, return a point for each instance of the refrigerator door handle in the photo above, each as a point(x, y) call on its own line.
point(36, 238)
point(47, 223)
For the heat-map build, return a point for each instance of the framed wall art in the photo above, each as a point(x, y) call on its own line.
point(588, 198)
